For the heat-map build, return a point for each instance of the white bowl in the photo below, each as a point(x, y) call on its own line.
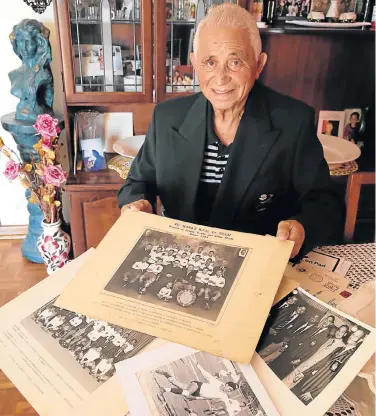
point(338, 151)
point(129, 146)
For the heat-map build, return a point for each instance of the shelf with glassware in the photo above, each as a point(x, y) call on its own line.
point(107, 56)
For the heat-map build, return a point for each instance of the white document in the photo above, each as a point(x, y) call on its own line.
point(328, 262)
point(116, 126)
point(175, 380)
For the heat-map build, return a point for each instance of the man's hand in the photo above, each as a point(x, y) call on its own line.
point(294, 231)
point(141, 205)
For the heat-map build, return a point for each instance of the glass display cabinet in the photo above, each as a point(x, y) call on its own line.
point(175, 25)
point(106, 51)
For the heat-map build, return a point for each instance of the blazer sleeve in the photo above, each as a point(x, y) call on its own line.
point(141, 180)
point(321, 208)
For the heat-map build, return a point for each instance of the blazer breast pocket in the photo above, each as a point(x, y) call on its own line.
point(264, 202)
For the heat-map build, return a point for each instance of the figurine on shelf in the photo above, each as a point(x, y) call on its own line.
point(332, 15)
point(32, 82)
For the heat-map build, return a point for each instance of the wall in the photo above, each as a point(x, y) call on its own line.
point(12, 201)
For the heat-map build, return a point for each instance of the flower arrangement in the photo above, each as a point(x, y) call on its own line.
point(44, 177)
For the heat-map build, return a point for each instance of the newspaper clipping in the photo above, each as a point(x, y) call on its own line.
point(195, 285)
point(175, 380)
point(61, 361)
point(309, 352)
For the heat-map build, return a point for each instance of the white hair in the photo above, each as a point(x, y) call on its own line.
point(234, 17)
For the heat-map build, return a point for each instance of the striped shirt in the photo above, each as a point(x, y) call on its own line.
point(213, 167)
point(214, 164)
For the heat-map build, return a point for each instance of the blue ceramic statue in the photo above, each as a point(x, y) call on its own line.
point(32, 82)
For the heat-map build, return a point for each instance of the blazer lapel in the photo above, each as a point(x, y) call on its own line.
point(189, 143)
point(253, 141)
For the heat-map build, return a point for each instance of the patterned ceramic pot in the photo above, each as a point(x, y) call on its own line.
point(54, 246)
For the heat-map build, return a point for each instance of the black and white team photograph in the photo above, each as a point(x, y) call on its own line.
point(181, 273)
point(87, 348)
point(306, 344)
point(200, 385)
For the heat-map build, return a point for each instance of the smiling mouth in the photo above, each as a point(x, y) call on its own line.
point(222, 93)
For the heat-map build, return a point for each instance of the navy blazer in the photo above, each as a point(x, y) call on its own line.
point(276, 169)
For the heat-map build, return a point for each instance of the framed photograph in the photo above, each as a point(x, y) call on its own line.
point(182, 78)
point(353, 120)
point(291, 9)
point(175, 380)
point(331, 123)
point(309, 352)
point(320, 6)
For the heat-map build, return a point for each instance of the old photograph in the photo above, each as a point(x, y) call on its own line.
point(307, 343)
point(86, 347)
point(191, 383)
point(178, 272)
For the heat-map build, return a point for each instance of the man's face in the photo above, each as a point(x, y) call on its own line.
point(227, 388)
point(190, 267)
point(355, 337)
point(226, 66)
point(354, 119)
point(341, 332)
point(211, 253)
point(314, 319)
point(291, 300)
point(328, 322)
point(301, 310)
point(199, 250)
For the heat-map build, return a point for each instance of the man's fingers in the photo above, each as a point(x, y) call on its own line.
point(294, 231)
point(283, 231)
point(142, 205)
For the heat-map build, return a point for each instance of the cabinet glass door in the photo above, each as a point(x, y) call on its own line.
point(106, 44)
point(109, 40)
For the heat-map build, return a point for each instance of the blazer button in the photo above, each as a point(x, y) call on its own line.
point(222, 170)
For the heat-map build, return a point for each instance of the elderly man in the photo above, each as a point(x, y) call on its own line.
point(237, 155)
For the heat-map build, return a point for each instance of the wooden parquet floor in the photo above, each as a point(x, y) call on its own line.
point(16, 275)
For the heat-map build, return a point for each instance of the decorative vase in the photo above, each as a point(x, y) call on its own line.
point(54, 246)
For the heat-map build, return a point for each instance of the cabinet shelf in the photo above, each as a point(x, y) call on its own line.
point(99, 22)
point(316, 30)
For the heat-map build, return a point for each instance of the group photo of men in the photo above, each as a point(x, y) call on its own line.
point(95, 345)
point(178, 272)
point(306, 344)
point(201, 385)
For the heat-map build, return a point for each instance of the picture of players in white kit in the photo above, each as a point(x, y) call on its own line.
point(184, 273)
point(83, 343)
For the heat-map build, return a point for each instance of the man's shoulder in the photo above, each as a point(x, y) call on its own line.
point(174, 110)
point(280, 103)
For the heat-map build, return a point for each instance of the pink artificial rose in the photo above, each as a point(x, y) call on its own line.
point(49, 245)
point(12, 169)
point(47, 126)
point(54, 175)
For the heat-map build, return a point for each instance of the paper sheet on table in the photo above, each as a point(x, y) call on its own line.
point(328, 262)
point(220, 315)
point(326, 286)
point(38, 361)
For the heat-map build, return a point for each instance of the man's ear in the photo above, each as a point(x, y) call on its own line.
point(261, 63)
point(192, 57)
